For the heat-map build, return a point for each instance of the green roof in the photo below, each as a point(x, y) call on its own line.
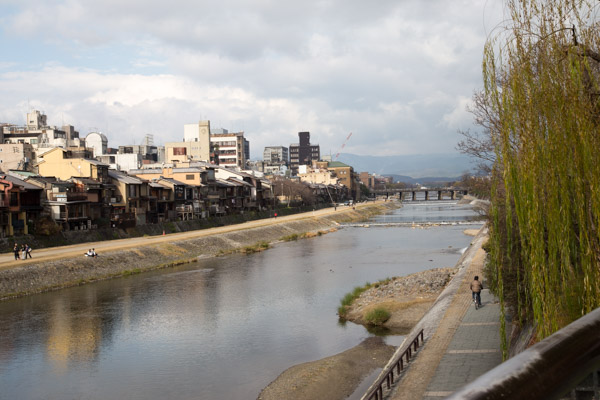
point(337, 164)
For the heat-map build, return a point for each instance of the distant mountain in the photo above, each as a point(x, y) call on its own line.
point(433, 167)
point(425, 180)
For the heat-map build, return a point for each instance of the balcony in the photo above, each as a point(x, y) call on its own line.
point(67, 197)
point(64, 216)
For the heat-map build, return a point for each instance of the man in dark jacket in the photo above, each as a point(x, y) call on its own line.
point(476, 287)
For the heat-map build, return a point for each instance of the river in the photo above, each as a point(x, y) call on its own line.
point(222, 328)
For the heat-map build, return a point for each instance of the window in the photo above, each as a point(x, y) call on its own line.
point(179, 151)
point(189, 177)
point(131, 190)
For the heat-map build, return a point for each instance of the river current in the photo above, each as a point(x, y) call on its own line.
point(221, 328)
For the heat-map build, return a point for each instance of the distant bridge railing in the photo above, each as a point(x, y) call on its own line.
point(549, 369)
point(404, 193)
point(387, 378)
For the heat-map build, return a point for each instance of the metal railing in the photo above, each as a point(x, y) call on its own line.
point(376, 390)
point(547, 370)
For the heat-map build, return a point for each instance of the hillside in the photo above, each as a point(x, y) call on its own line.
point(418, 166)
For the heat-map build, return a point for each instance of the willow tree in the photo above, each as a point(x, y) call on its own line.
point(541, 84)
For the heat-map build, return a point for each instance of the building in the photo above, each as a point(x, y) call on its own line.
point(121, 162)
point(20, 205)
point(303, 153)
point(317, 175)
point(39, 134)
point(60, 164)
point(276, 155)
point(131, 200)
point(231, 149)
point(98, 142)
point(196, 145)
point(147, 151)
point(367, 179)
point(15, 156)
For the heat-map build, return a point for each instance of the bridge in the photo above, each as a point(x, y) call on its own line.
point(430, 193)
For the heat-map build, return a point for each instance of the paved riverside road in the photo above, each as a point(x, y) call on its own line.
point(464, 345)
point(474, 350)
point(53, 253)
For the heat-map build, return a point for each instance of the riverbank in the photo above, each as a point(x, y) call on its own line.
point(60, 267)
point(405, 298)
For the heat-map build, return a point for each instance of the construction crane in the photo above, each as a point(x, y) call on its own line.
point(342, 148)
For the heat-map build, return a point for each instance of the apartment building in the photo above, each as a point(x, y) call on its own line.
point(231, 149)
point(303, 153)
point(276, 155)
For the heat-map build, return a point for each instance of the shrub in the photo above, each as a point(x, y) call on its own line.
point(377, 316)
point(290, 238)
point(260, 246)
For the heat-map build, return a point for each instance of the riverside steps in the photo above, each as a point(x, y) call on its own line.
point(461, 343)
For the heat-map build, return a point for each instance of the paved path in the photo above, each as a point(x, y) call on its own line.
point(474, 350)
point(465, 344)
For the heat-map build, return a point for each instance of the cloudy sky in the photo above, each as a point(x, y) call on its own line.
point(397, 74)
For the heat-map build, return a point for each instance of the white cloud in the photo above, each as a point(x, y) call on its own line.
point(396, 74)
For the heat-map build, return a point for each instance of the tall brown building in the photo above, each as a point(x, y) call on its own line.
point(303, 153)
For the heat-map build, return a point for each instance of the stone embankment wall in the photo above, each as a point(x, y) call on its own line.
point(49, 275)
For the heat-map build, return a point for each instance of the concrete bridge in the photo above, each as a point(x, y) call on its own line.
point(430, 193)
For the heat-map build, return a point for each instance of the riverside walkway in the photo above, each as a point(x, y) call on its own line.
point(464, 345)
point(473, 350)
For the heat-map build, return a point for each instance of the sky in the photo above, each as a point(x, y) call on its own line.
point(397, 74)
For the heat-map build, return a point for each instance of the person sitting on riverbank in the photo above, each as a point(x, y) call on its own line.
point(91, 253)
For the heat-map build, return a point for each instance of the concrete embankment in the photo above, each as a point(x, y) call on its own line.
point(62, 267)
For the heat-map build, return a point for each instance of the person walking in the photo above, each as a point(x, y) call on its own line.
point(476, 287)
point(16, 251)
point(23, 253)
point(27, 251)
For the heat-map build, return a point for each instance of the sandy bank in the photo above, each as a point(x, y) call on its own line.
point(331, 378)
point(66, 266)
point(407, 298)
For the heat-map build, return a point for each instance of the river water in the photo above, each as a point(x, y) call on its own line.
point(222, 328)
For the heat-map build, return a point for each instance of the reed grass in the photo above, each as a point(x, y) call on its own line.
point(377, 316)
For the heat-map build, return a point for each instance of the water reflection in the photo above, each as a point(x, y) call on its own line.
point(221, 328)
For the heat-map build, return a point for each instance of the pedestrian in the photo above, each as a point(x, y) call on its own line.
point(27, 251)
point(16, 251)
point(23, 253)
